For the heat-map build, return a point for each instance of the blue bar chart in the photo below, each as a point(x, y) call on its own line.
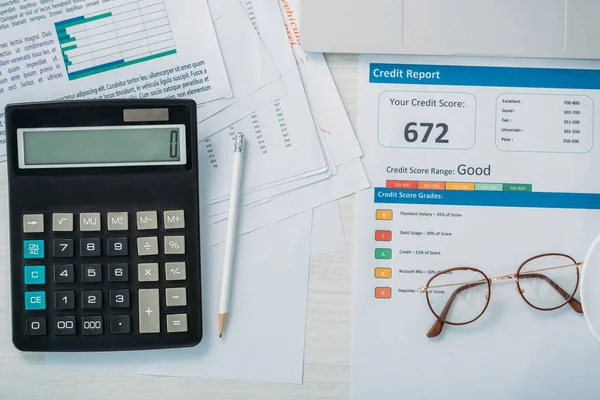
point(132, 33)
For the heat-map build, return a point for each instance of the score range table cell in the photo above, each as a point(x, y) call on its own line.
point(132, 33)
point(567, 125)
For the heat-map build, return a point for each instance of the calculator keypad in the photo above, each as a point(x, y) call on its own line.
point(129, 279)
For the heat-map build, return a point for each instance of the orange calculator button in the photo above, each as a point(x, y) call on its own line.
point(383, 293)
point(384, 215)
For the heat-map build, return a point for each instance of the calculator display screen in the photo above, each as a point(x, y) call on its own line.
point(132, 145)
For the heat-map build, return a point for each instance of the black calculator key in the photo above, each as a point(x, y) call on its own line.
point(90, 247)
point(91, 299)
point(92, 325)
point(64, 248)
point(36, 326)
point(64, 273)
point(118, 272)
point(118, 247)
point(64, 325)
point(64, 300)
point(119, 298)
point(120, 324)
point(91, 273)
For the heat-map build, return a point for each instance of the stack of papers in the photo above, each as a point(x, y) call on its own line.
point(242, 62)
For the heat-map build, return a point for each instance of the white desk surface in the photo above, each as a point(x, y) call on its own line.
point(327, 353)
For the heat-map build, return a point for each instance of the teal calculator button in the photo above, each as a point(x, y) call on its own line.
point(35, 300)
point(33, 248)
point(35, 275)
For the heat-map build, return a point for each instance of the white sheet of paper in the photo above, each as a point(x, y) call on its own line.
point(241, 109)
point(161, 58)
point(217, 211)
point(351, 178)
point(249, 65)
point(323, 96)
point(6, 345)
point(275, 152)
point(327, 230)
point(530, 125)
point(258, 327)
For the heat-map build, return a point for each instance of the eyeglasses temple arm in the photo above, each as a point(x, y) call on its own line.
point(438, 325)
point(573, 302)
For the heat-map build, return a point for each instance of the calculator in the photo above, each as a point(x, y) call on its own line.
point(104, 225)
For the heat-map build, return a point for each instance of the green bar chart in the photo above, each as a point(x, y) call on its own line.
point(132, 33)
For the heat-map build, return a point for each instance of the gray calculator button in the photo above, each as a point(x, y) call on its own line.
point(149, 312)
point(62, 222)
point(33, 223)
point(177, 323)
point(174, 244)
point(89, 222)
point(175, 271)
point(147, 220)
point(174, 219)
point(148, 272)
point(147, 246)
point(117, 221)
point(176, 297)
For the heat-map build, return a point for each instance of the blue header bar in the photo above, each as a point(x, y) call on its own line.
point(452, 75)
point(488, 199)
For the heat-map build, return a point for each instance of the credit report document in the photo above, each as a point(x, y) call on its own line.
point(479, 163)
point(108, 49)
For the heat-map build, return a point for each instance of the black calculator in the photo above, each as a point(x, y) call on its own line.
point(104, 225)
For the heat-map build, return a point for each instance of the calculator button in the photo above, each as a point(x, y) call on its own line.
point(174, 219)
point(90, 247)
point(92, 325)
point(176, 297)
point(118, 272)
point(91, 299)
point(177, 323)
point(174, 244)
point(64, 300)
point(35, 326)
point(62, 222)
point(175, 271)
point(89, 222)
point(148, 272)
point(33, 249)
point(91, 273)
point(118, 247)
point(64, 248)
point(35, 275)
point(117, 221)
point(33, 223)
point(64, 273)
point(149, 312)
point(64, 325)
point(119, 298)
point(35, 300)
point(147, 220)
point(120, 324)
point(147, 246)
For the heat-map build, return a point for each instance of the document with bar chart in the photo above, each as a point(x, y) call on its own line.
point(132, 33)
point(109, 49)
point(478, 165)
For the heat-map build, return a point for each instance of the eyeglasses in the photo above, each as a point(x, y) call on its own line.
point(460, 296)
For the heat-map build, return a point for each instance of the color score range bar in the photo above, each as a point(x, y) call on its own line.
point(490, 187)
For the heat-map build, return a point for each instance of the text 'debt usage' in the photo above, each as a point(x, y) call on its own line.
point(567, 125)
point(426, 120)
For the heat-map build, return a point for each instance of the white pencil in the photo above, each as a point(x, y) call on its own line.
point(234, 195)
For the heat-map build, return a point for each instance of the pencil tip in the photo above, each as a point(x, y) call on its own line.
point(222, 324)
